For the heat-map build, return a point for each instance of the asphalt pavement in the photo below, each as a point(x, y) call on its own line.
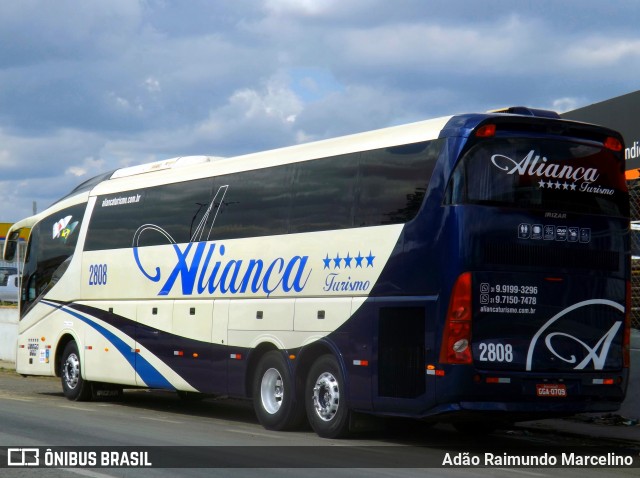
point(606, 426)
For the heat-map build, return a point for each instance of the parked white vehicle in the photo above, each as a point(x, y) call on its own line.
point(9, 282)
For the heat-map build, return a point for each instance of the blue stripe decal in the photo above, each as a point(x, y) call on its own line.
point(152, 377)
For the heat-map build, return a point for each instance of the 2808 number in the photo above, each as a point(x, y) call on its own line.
point(496, 352)
point(97, 274)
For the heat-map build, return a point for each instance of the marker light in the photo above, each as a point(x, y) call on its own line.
point(613, 144)
point(456, 337)
point(554, 279)
point(486, 131)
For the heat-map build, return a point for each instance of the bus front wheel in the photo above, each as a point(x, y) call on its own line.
point(325, 399)
point(274, 400)
point(74, 386)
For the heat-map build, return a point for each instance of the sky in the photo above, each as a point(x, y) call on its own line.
point(88, 86)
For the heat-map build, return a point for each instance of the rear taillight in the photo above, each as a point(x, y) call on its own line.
point(626, 338)
point(486, 131)
point(614, 144)
point(456, 336)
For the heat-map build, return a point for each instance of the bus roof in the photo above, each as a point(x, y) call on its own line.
point(187, 168)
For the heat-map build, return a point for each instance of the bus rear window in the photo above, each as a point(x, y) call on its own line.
point(551, 175)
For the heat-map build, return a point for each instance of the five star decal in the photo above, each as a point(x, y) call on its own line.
point(348, 261)
point(556, 185)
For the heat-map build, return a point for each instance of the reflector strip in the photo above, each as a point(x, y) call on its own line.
point(603, 381)
point(437, 373)
point(498, 380)
point(178, 353)
point(235, 356)
point(361, 363)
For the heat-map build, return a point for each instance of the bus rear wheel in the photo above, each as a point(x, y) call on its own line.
point(274, 397)
point(74, 386)
point(325, 400)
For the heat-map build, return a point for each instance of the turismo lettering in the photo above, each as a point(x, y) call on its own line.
point(205, 270)
point(334, 284)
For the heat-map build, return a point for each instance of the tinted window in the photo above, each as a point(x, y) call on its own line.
point(115, 219)
point(324, 194)
point(543, 174)
point(393, 182)
point(178, 209)
point(256, 203)
point(51, 242)
point(370, 188)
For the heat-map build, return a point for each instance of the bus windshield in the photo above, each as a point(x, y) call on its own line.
point(539, 174)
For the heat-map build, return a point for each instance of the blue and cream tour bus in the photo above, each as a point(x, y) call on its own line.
point(472, 269)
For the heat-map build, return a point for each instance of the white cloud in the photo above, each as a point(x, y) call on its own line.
point(6, 158)
point(152, 85)
point(90, 167)
point(602, 52)
point(301, 7)
point(562, 105)
point(428, 45)
point(275, 100)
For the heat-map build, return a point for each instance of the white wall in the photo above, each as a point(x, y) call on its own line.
point(8, 333)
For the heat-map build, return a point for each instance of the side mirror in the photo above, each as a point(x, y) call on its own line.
point(11, 245)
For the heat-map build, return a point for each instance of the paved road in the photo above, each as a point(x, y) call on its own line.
point(34, 413)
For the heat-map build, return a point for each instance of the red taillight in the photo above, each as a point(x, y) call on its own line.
point(486, 131)
point(626, 338)
point(614, 144)
point(456, 336)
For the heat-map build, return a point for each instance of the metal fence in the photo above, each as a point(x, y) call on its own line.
point(634, 202)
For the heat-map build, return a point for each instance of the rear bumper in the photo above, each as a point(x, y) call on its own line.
point(469, 392)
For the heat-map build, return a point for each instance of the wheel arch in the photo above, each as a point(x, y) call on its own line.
point(64, 339)
point(310, 353)
point(252, 364)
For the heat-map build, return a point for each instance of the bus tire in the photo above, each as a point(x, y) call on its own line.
point(274, 397)
point(325, 401)
point(74, 386)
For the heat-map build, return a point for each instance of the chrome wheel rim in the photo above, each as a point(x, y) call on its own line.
point(326, 396)
point(271, 391)
point(71, 371)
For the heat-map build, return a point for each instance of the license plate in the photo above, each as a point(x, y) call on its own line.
point(551, 390)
